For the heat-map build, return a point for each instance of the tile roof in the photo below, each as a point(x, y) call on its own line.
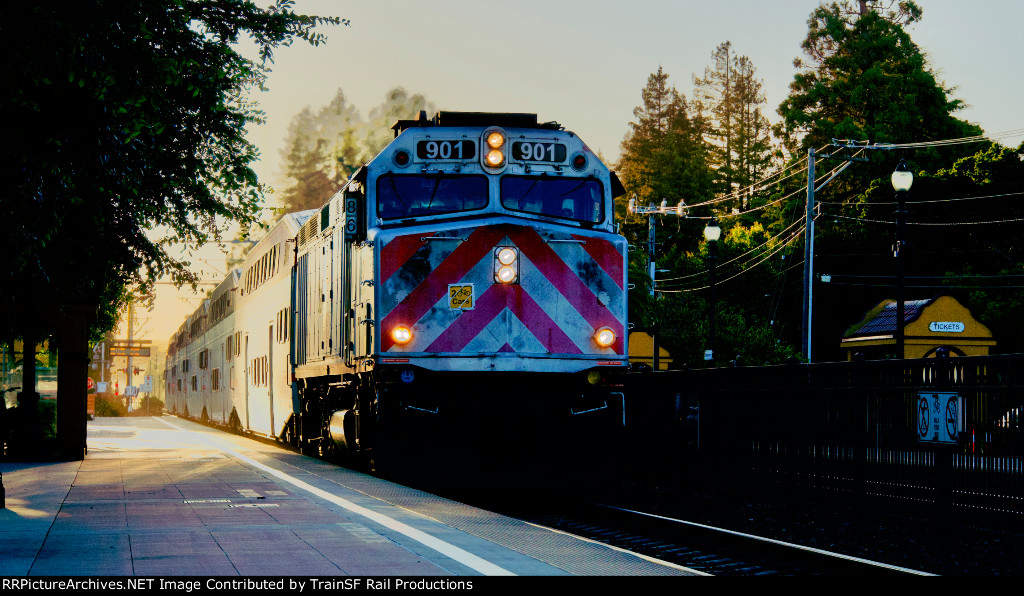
point(884, 323)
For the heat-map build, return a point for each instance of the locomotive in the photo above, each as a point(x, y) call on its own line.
point(470, 275)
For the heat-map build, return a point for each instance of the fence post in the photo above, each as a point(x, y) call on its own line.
point(944, 472)
point(859, 407)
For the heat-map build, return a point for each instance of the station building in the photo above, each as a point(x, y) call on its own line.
point(930, 326)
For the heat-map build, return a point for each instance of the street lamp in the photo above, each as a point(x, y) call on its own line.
point(712, 232)
point(902, 180)
point(650, 212)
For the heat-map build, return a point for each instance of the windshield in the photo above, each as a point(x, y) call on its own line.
point(410, 196)
point(571, 198)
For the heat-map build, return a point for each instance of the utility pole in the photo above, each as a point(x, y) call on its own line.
point(808, 259)
point(650, 212)
point(650, 250)
point(812, 187)
point(128, 371)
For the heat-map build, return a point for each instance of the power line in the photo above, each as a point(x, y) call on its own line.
point(768, 256)
point(749, 252)
point(998, 196)
point(924, 223)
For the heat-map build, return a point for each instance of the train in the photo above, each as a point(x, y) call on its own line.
point(469, 276)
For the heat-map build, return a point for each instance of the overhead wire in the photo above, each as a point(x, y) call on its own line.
point(740, 256)
point(761, 184)
point(753, 253)
point(766, 257)
point(996, 196)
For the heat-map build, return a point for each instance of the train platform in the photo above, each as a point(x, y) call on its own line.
point(162, 496)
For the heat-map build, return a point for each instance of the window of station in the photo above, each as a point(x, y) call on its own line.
point(215, 379)
point(401, 196)
point(580, 199)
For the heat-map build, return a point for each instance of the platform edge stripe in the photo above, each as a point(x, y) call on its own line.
point(447, 549)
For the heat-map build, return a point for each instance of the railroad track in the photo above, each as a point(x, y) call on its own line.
point(703, 548)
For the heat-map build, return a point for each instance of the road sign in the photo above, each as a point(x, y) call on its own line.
point(133, 351)
point(939, 417)
point(130, 342)
point(89, 384)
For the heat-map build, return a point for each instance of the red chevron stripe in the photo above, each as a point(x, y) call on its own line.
point(397, 252)
point(566, 281)
point(435, 286)
point(605, 255)
point(492, 303)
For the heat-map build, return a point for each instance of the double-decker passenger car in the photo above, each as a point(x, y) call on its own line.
point(469, 271)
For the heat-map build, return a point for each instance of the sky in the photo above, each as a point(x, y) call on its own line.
point(584, 64)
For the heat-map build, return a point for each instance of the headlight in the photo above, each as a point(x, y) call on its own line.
point(506, 269)
point(495, 158)
point(604, 337)
point(506, 274)
point(402, 335)
point(494, 141)
point(507, 256)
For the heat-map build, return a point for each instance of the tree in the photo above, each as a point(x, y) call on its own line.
point(867, 80)
point(320, 154)
point(124, 130)
point(864, 79)
point(663, 155)
point(323, 149)
point(730, 98)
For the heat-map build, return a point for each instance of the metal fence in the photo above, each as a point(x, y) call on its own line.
point(931, 436)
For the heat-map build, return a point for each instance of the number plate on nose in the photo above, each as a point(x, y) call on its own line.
point(446, 149)
point(538, 151)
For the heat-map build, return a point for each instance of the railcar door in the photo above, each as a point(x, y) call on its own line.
point(270, 375)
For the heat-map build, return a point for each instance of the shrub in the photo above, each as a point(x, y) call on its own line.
point(108, 405)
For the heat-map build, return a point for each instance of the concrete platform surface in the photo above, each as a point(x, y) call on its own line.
point(162, 496)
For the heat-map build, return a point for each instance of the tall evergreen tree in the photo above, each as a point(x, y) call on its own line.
point(731, 97)
point(323, 149)
point(320, 153)
point(664, 156)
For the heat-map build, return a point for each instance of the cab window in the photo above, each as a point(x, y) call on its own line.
point(580, 199)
